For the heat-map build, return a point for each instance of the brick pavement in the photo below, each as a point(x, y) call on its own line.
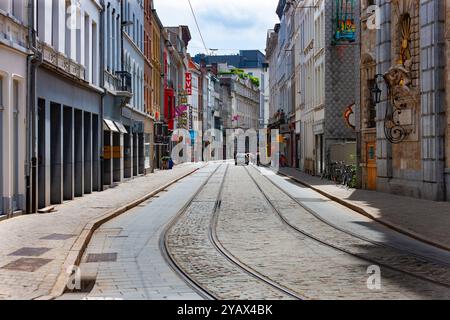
point(423, 219)
point(64, 226)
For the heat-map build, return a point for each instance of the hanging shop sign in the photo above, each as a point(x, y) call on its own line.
point(349, 116)
point(183, 100)
point(188, 86)
point(179, 110)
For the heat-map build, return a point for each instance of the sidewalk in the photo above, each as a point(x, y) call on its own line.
point(35, 250)
point(424, 220)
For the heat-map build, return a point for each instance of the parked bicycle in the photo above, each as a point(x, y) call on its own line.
point(340, 173)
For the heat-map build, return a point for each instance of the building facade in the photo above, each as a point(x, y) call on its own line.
point(245, 97)
point(66, 111)
point(404, 129)
point(159, 53)
point(253, 62)
point(195, 97)
point(367, 119)
point(176, 64)
point(314, 82)
point(150, 105)
point(81, 86)
point(272, 51)
point(13, 96)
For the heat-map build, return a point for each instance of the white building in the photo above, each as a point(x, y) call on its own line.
point(194, 98)
point(194, 101)
point(13, 77)
point(310, 111)
point(245, 98)
point(272, 51)
point(66, 124)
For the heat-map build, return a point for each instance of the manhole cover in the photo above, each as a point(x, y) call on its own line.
point(29, 252)
point(26, 264)
point(102, 257)
point(58, 236)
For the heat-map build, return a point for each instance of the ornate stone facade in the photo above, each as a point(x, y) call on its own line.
point(408, 65)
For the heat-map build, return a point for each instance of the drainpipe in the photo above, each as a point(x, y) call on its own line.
point(102, 85)
point(33, 62)
point(122, 60)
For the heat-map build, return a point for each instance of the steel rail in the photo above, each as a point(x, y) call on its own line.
point(233, 259)
point(327, 244)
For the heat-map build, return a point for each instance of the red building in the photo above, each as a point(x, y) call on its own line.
point(169, 94)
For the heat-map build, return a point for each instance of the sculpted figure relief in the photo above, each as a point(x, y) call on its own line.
point(399, 81)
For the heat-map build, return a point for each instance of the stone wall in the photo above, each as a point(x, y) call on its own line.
point(414, 166)
point(447, 102)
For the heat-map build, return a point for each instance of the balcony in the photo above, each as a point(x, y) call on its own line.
point(60, 62)
point(124, 82)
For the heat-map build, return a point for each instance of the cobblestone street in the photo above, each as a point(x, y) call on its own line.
point(242, 232)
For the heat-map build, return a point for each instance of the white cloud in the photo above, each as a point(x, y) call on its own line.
point(225, 24)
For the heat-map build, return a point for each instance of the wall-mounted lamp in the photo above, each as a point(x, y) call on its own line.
point(376, 91)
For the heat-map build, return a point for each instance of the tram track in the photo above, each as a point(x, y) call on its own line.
point(168, 257)
point(251, 271)
point(355, 235)
point(206, 254)
point(412, 261)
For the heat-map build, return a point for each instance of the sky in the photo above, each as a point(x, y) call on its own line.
point(227, 25)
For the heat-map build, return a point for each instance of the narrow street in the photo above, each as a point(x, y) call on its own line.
point(242, 232)
point(225, 157)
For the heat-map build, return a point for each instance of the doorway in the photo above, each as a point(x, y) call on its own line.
point(371, 166)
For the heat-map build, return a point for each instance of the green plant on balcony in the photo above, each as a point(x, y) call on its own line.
point(255, 81)
point(242, 75)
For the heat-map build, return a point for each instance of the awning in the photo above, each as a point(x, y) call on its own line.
point(110, 125)
point(121, 127)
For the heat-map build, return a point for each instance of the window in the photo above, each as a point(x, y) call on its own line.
point(87, 49)
point(17, 6)
point(94, 54)
point(55, 26)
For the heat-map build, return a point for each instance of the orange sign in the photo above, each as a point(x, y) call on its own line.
point(107, 152)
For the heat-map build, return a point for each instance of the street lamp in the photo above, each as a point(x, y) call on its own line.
point(376, 91)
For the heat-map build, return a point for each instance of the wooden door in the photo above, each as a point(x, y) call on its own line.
point(371, 166)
